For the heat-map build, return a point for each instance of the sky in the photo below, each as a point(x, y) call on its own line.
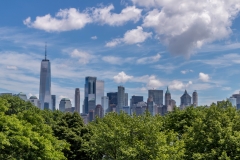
point(139, 44)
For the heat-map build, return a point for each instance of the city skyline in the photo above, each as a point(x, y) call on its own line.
point(106, 48)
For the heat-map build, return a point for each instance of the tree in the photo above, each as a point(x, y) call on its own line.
point(215, 134)
point(23, 136)
point(138, 137)
point(71, 129)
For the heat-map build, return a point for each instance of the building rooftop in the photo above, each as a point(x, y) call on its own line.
point(21, 94)
point(33, 97)
point(65, 99)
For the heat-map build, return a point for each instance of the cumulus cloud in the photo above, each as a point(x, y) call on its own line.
point(204, 77)
point(154, 83)
point(122, 77)
point(113, 42)
point(64, 20)
point(84, 57)
point(179, 85)
point(133, 36)
point(147, 60)
point(94, 37)
point(198, 22)
point(103, 15)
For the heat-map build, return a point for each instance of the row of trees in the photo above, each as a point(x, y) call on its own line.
point(194, 133)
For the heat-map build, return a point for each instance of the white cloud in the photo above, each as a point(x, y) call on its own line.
point(204, 77)
point(154, 83)
point(186, 71)
point(122, 77)
point(84, 57)
point(147, 60)
point(64, 20)
point(136, 36)
point(94, 37)
point(133, 36)
point(112, 59)
point(12, 67)
point(179, 85)
point(113, 43)
point(198, 22)
point(103, 15)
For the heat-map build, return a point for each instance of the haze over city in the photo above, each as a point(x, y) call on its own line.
point(138, 44)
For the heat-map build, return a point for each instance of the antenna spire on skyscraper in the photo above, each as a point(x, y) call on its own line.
point(45, 51)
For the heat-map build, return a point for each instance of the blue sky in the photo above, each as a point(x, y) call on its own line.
point(135, 43)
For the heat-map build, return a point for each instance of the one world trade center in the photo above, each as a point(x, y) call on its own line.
point(45, 84)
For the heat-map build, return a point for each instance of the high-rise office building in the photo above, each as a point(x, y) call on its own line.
point(77, 100)
point(151, 106)
point(45, 84)
point(90, 94)
point(233, 101)
point(91, 115)
point(237, 96)
point(185, 100)
point(195, 98)
point(157, 96)
point(65, 105)
point(121, 98)
point(99, 91)
point(136, 99)
point(126, 99)
point(105, 104)
point(99, 111)
point(112, 96)
point(126, 109)
point(35, 101)
point(54, 102)
point(167, 97)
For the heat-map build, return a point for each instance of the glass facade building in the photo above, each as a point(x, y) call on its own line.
point(77, 100)
point(157, 96)
point(121, 98)
point(99, 91)
point(65, 105)
point(90, 94)
point(54, 102)
point(45, 85)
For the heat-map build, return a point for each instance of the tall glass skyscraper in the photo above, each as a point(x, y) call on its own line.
point(77, 100)
point(157, 96)
point(99, 91)
point(90, 94)
point(121, 98)
point(45, 84)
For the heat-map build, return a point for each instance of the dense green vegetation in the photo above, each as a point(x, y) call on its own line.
point(203, 132)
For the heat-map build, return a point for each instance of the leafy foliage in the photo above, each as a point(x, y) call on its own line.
point(27, 132)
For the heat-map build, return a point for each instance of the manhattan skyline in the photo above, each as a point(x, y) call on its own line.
point(128, 47)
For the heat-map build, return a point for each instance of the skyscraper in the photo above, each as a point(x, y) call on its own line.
point(65, 105)
point(53, 102)
point(90, 94)
point(195, 98)
point(121, 98)
point(45, 84)
point(105, 104)
point(136, 99)
point(167, 97)
point(157, 96)
point(99, 91)
point(126, 99)
point(185, 100)
point(99, 111)
point(112, 96)
point(77, 100)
